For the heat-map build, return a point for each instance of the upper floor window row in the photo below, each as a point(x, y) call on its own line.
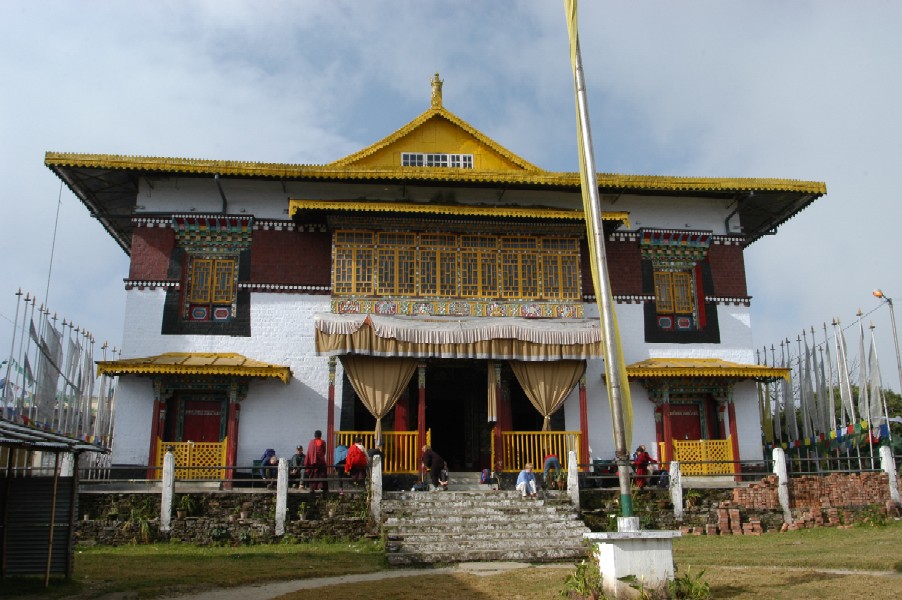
point(448, 265)
point(422, 159)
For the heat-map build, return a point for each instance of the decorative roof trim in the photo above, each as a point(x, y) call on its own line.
point(194, 363)
point(330, 172)
point(435, 112)
point(295, 206)
point(701, 367)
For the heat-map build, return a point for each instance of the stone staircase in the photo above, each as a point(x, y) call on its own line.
point(472, 522)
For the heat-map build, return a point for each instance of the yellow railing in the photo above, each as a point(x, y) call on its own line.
point(521, 447)
point(194, 454)
point(400, 449)
point(702, 457)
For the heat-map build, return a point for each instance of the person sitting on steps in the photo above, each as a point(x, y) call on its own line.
point(526, 481)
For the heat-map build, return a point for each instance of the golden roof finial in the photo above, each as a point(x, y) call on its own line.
point(437, 92)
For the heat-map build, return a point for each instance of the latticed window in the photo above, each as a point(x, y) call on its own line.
point(437, 159)
point(673, 292)
point(353, 263)
point(438, 264)
point(449, 265)
point(396, 259)
point(210, 287)
point(478, 266)
point(560, 268)
point(519, 267)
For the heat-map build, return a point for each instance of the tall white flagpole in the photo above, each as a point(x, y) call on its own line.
point(612, 357)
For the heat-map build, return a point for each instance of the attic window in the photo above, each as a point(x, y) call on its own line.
point(422, 159)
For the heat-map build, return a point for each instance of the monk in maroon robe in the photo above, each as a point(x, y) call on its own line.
point(315, 464)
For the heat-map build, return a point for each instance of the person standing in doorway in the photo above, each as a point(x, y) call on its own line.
point(315, 463)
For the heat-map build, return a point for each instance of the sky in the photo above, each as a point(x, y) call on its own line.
point(722, 88)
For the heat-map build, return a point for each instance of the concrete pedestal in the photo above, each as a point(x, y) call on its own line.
point(645, 555)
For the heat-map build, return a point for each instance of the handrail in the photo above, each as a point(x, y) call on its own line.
point(400, 449)
point(521, 447)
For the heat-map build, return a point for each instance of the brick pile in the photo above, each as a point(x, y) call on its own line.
point(819, 492)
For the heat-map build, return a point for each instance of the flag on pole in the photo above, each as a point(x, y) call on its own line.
point(875, 393)
point(862, 375)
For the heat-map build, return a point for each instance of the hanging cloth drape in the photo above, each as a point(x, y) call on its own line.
point(547, 383)
point(378, 382)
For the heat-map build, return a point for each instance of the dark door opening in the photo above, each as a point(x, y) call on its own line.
point(457, 413)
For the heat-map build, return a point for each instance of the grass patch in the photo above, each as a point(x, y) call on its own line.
point(813, 563)
point(861, 548)
point(147, 571)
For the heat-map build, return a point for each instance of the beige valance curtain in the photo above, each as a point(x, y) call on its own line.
point(547, 383)
point(378, 382)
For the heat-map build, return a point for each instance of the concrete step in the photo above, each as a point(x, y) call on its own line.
point(535, 555)
point(429, 533)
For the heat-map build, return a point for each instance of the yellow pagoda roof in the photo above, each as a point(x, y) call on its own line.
point(612, 181)
point(194, 363)
point(701, 367)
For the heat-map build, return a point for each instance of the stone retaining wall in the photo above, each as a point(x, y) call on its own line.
point(220, 519)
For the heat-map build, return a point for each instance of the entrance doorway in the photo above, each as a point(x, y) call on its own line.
point(457, 413)
point(195, 417)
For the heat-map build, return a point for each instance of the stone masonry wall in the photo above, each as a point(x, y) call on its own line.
point(220, 519)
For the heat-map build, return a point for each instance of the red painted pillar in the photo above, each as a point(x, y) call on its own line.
point(667, 427)
point(330, 412)
point(402, 412)
point(232, 444)
point(583, 423)
point(156, 428)
point(734, 438)
point(497, 456)
point(421, 406)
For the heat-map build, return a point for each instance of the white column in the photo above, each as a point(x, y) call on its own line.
point(168, 490)
point(281, 496)
point(783, 481)
point(676, 489)
point(376, 490)
point(889, 466)
point(573, 478)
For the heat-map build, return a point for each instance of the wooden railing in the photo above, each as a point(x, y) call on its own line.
point(521, 447)
point(194, 454)
point(400, 449)
point(702, 457)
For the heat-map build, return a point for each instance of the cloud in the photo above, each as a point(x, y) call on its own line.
point(804, 90)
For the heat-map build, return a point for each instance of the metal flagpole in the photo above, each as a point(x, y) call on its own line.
point(892, 318)
point(612, 357)
point(12, 351)
point(863, 402)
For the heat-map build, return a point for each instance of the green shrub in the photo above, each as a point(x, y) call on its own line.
point(689, 587)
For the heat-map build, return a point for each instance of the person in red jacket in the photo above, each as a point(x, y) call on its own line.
point(315, 463)
point(355, 462)
point(640, 463)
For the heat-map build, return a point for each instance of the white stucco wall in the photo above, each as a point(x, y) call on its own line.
point(273, 415)
point(735, 346)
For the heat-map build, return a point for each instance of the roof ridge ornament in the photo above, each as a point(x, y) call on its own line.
point(437, 91)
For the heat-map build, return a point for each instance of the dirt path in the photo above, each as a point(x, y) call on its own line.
point(274, 590)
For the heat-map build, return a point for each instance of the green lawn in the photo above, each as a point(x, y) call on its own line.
point(815, 563)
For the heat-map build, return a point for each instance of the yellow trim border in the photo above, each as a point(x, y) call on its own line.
point(295, 205)
point(337, 173)
point(194, 363)
point(702, 367)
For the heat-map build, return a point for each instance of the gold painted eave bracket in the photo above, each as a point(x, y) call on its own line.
point(510, 212)
point(194, 363)
point(655, 368)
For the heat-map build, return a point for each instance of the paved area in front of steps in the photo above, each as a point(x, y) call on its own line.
point(266, 591)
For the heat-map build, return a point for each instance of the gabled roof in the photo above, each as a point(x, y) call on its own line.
point(432, 120)
point(108, 184)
